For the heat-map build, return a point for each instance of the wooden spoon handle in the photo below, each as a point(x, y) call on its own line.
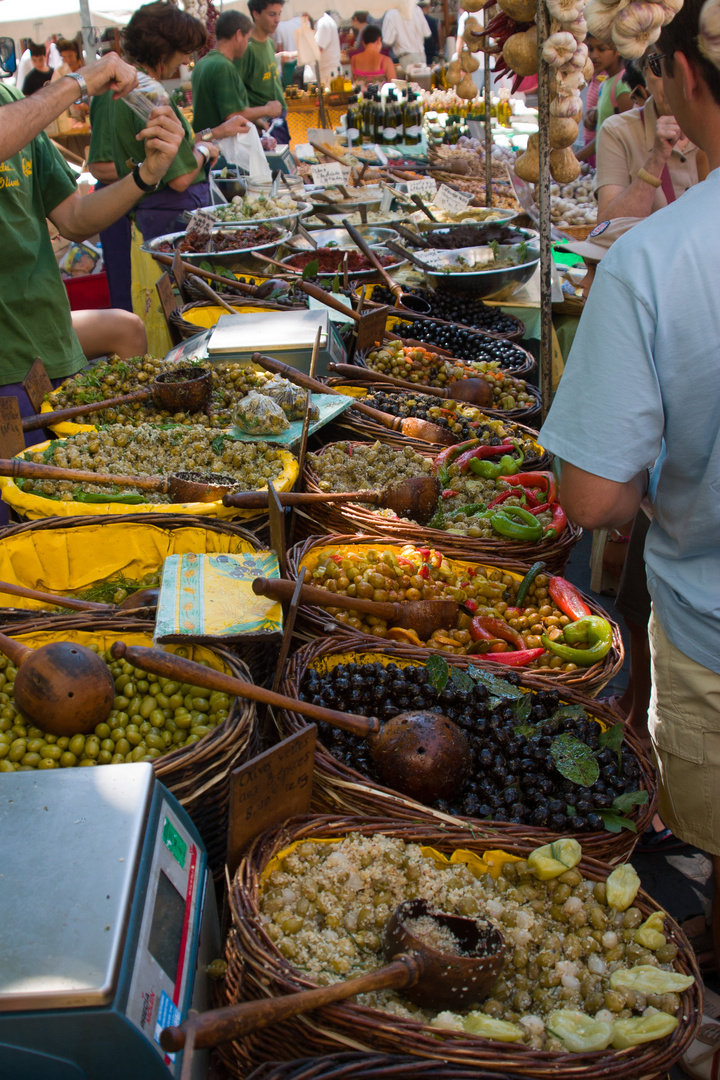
point(51, 598)
point(327, 298)
point(32, 423)
point(421, 206)
point(404, 254)
point(190, 268)
point(283, 590)
point(351, 371)
point(208, 291)
point(370, 254)
point(14, 650)
point(32, 471)
point(233, 1021)
point(269, 363)
point(177, 668)
point(258, 500)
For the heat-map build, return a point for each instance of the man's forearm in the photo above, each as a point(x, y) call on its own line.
point(78, 217)
point(22, 120)
point(256, 112)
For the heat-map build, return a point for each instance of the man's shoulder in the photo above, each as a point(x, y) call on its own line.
point(213, 59)
point(624, 125)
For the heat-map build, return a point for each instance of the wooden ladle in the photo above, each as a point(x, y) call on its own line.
point(427, 976)
point(137, 601)
point(407, 300)
point(407, 425)
point(474, 391)
point(422, 616)
point(415, 498)
point(421, 754)
point(181, 390)
point(179, 487)
point(63, 687)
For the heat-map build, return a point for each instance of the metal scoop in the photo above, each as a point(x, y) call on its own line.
point(428, 977)
point(408, 300)
point(137, 601)
point(181, 390)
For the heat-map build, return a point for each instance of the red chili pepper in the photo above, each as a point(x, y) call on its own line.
point(501, 498)
point(449, 492)
point(471, 605)
point(531, 500)
point(424, 553)
point(521, 658)
point(482, 627)
point(558, 524)
point(337, 559)
point(540, 508)
point(445, 457)
point(423, 572)
point(544, 480)
point(568, 599)
point(482, 453)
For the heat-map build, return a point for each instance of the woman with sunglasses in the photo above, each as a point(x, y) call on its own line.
point(644, 161)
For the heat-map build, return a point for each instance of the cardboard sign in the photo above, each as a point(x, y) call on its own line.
point(268, 790)
point(200, 226)
point(166, 294)
point(426, 186)
point(371, 328)
point(452, 201)
point(36, 384)
point(12, 438)
point(386, 201)
point(327, 175)
point(276, 516)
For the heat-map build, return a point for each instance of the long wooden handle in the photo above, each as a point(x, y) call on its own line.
point(258, 500)
point(327, 298)
point(290, 373)
point(283, 590)
point(370, 254)
point(15, 650)
point(421, 206)
point(352, 371)
point(206, 290)
point(409, 255)
point(410, 237)
point(177, 668)
point(32, 471)
point(32, 423)
point(233, 1021)
point(51, 598)
point(190, 268)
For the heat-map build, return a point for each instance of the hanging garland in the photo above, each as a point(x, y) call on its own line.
point(206, 12)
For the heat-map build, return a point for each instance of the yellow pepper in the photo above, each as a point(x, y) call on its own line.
point(641, 1029)
point(552, 860)
point(647, 979)
point(578, 1031)
point(650, 934)
point(622, 887)
point(487, 1027)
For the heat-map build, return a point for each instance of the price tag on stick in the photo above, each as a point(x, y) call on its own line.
point(371, 328)
point(36, 384)
point(327, 175)
point(452, 201)
point(426, 186)
point(12, 438)
point(268, 790)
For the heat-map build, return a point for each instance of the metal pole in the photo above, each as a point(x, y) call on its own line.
point(86, 22)
point(546, 325)
point(488, 117)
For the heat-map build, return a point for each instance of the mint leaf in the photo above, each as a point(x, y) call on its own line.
point(522, 708)
point(460, 679)
point(574, 760)
point(625, 802)
point(499, 687)
point(311, 270)
point(570, 712)
point(613, 737)
point(615, 823)
point(571, 811)
point(438, 671)
point(218, 444)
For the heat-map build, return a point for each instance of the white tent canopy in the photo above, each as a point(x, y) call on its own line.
point(38, 19)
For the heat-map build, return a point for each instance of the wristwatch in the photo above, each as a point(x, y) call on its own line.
point(80, 80)
point(140, 182)
point(206, 134)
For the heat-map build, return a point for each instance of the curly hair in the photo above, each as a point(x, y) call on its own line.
point(158, 30)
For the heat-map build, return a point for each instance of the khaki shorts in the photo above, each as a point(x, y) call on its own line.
point(684, 723)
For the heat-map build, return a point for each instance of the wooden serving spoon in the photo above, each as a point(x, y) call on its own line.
point(188, 393)
point(408, 300)
point(421, 206)
point(137, 601)
point(473, 391)
point(415, 498)
point(409, 425)
point(422, 754)
point(427, 976)
point(422, 616)
point(178, 487)
point(64, 688)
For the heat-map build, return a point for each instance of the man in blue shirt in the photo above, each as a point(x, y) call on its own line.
point(638, 414)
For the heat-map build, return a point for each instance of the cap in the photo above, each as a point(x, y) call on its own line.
point(602, 237)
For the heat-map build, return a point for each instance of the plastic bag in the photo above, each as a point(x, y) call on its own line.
point(289, 397)
point(260, 415)
point(148, 94)
point(307, 47)
point(246, 152)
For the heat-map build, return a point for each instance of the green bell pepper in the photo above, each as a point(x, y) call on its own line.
point(516, 523)
point(593, 629)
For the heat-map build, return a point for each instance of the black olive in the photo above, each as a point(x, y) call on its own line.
point(595, 822)
point(558, 822)
point(556, 806)
point(583, 806)
point(579, 823)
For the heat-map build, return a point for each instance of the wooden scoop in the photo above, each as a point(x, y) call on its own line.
point(421, 206)
point(140, 600)
point(422, 616)
point(64, 688)
point(409, 425)
point(421, 754)
point(428, 977)
point(180, 487)
point(181, 390)
point(415, 498)
point(473, 391)
point(414, 303)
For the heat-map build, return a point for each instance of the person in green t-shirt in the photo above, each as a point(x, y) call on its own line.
point(258, 66)
point(220, 100)
point(116, 239)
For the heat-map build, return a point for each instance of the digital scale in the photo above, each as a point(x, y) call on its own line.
point(107, 924)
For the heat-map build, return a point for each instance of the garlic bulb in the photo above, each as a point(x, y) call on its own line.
point(579, 57)
point(709, 36)
point(588, 70)
point(558, 49)
point(566, 106)
point(600, 19)
point(636, 27)
point(578, 29)
point(670, 9)
point(569, 81)
point(565, 10)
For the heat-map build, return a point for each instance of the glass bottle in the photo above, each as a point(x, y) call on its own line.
point(354, 122)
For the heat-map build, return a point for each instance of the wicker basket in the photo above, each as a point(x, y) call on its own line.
point(359, 1066)
point(198, 775)
point(52, 554)
point(356, 518)
point(340, 789)
point(577, 232)
point(527, 415)
point(256, 969)
point(354, 423)
point(313, 622)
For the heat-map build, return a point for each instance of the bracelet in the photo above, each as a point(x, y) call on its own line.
point(80, 80)
point(203, 150)
point(140, 182)
point(648, 177)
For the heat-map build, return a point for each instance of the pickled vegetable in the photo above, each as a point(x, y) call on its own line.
point(641, 1029)
point(579, 1032)
point(622, 887)
point(552, 860)
point(487, 1027)
point(650, 934)
point(647, 979)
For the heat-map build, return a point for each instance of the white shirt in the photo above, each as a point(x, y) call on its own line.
point(405, 35)
point(285, 34)
point(328, 39)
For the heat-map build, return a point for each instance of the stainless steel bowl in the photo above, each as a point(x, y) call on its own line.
point(340, 238)
point(288, 219)
point(230, 186)
point(236, 260)
point(372, 200)
point(477, 215)
point(488, 283)
point(356, 275)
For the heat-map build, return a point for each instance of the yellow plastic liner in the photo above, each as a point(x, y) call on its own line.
point(72, 560)
point(34, 506)
point(103, 641)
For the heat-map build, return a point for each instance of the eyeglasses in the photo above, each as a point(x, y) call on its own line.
point(653, 62)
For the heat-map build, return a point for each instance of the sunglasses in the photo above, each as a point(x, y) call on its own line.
point(653, 62)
